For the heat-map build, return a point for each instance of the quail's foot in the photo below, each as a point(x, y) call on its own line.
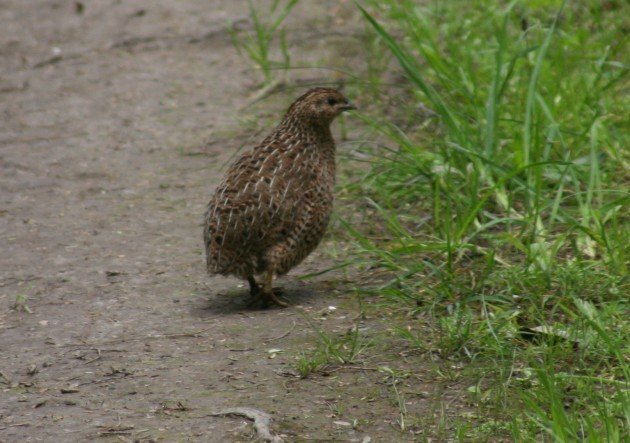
point(254, 292)
point(271, 298)
point(268, 293)
point(257, 296)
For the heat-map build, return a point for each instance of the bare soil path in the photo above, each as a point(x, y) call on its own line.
point(115, 120)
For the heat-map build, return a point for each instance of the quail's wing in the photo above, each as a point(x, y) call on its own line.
point(246, 207)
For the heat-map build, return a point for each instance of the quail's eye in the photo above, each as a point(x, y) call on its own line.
point(332, 101)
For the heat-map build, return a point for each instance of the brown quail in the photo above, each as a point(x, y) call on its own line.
point(273, 205)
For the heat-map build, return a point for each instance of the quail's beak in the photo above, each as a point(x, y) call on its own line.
point(347, 107)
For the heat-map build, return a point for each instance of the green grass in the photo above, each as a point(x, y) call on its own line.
point(259, 43)
point(331, 350)
point(21, 304)
point(497, 192)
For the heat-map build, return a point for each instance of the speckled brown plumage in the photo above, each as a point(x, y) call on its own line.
point(274, 203)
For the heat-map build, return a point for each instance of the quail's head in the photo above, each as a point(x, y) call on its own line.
point(320, 105)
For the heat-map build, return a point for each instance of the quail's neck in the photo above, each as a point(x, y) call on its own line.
point(313, 130)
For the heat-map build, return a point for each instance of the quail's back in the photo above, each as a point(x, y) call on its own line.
point(275, 201)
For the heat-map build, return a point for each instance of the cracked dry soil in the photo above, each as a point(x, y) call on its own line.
point(117, 118)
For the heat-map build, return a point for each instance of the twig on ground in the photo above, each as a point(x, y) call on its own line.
point(196, 334)
point(118, 430)
point(98, 357)
point(183, 334)
point(280, 336)
point(262, 420)
point(13, 280)
point(349, 368)
point(16, 425)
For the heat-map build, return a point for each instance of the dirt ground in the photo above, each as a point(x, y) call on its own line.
point(116, 120)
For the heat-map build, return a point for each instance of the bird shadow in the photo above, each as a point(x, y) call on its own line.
point(228, 301)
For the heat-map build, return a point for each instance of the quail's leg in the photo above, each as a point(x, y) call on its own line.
point(267, 291)
point(254, 291)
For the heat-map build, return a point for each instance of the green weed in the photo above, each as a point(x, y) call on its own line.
point(258, 43)
point(332, 350)
point(498, 204)
point(21, 304)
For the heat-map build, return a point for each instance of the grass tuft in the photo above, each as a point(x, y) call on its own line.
point(497, 195)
